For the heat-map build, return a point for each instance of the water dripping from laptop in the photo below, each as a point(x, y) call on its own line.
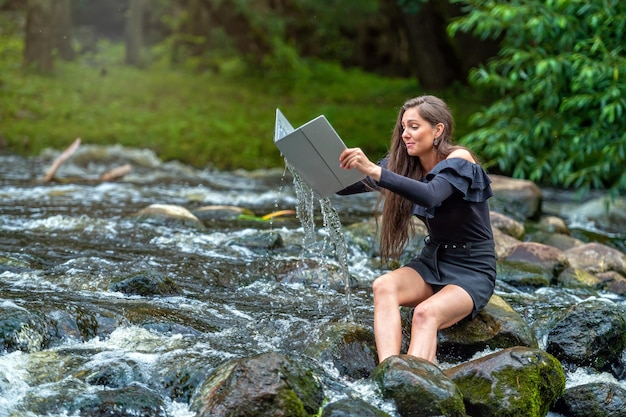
point(305, 211)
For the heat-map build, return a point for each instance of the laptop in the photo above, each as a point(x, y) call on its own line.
point(313, 151)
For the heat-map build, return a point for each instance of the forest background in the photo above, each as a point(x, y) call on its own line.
point(537, 87)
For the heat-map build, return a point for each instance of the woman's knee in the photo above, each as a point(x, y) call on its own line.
point(423, 314)
point(382, 286)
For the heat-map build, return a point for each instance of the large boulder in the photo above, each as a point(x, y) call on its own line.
point(418, 387)
point(597, 258)
point(531, 264)
point(497, 326)
point(520, 199)
point(605, 213)
point(592, 333)
point(517, 381)
point(269, 384)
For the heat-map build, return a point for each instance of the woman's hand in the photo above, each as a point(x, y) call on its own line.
point(355, 158)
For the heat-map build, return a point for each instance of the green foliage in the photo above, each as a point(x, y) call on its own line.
point(560, 80)
point(223, 119)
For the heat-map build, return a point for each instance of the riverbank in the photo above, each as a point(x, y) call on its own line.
point(220, 117)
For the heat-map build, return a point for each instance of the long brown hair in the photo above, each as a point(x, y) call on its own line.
point(397, 225)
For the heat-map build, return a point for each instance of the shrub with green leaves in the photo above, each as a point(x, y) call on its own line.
point(559, 117)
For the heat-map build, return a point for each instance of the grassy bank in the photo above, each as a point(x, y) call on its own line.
point(222, 118)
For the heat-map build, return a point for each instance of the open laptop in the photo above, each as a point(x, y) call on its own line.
point(313, 151)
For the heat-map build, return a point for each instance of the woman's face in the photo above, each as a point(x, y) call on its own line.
point(418, 135)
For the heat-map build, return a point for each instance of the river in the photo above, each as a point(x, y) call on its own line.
point(62, 243)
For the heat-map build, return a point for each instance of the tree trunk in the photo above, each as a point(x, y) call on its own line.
point(39, 35)
point(63, 29)
point(431, 53)
point(134, 32)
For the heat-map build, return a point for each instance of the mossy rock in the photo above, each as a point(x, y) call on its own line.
point(515, 382)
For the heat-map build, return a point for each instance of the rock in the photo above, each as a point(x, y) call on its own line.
point(531, 264)
point(553, 224)
point(149, 283)
point(497, 326)
point(269, 384)
point(507, 225)
point(578, 278)
point(520, 199)
point(111, 373)
point(599, 399)
point(560, 241)
point(259, 241)
point(21, 330)
point(129, 401)
point(418, 387)
point(169, 215)
point(517, 381)
point(523, 274)
point(74, 398)
point(592, 333)
point(546, 256)
point(504, 243)
point(619, 369)
point(613, 282)
point(181, 372)
point(352, 407)
point(596, 258)
point(349, 347)
point(611, 218)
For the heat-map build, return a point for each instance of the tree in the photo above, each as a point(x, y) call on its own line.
point(430, 50)
point(48, 28)
point(134, 32)
point(560, 76)
point(39, 35)
point(63, 29)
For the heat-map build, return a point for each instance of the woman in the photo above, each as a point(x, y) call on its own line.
point(443, 185)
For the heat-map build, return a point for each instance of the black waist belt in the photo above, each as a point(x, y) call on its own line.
point(464, 248)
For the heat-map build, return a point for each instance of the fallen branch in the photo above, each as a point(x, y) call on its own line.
point(111, 175)
point(116, 173)
point(59, 161)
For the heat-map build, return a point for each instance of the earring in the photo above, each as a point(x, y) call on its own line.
point(436, 142)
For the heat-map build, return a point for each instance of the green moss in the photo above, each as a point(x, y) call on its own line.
point(515, 392)
point(290, 403)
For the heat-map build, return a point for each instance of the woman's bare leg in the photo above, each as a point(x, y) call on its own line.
point(443, 309)
point(401, 287)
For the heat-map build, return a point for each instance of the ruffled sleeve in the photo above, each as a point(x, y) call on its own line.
point(468, 178)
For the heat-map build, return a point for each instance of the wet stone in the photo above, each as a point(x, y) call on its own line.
point(418, 388)
point(598, 399)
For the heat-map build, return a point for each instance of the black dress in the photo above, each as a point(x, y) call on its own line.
point(451, 200)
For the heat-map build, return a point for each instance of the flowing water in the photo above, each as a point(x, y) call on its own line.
point(61, 245)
